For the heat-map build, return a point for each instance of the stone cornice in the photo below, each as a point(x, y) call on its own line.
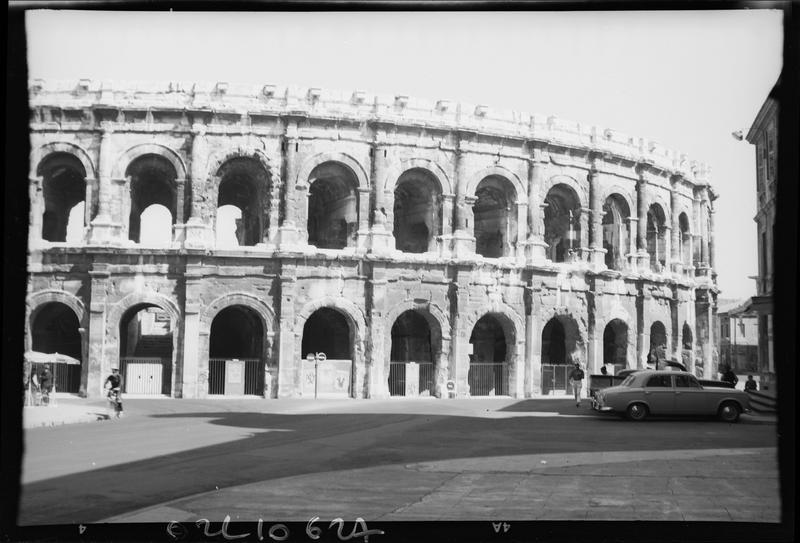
point(222, 98)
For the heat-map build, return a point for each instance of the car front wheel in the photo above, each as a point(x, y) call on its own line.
point(729, 412)
point(637, 411)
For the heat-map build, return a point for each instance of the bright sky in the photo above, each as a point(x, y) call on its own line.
point(684, 79)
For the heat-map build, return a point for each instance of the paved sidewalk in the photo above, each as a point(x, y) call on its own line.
point(74, 410)
point(622, 485)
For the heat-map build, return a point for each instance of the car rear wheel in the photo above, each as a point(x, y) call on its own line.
point(729, 412)
point(637, 411)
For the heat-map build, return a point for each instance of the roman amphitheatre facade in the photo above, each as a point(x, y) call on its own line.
point(208, 238)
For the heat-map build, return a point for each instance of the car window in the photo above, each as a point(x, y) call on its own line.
point(686, 381)
point(627, 382)
point(659, 381)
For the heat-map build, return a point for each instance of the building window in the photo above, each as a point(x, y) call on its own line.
point(771, 152)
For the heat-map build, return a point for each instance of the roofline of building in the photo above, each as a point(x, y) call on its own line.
point(770, 103)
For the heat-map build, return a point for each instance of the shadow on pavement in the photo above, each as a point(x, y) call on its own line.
point(315, 443)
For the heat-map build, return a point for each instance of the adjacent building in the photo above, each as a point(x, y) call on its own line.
point(284, 242)
point(738, 338)
point(764, 135)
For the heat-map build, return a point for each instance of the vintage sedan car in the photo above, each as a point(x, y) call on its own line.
point(661, 392)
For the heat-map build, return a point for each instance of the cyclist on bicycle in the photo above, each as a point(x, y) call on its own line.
point(114, 385)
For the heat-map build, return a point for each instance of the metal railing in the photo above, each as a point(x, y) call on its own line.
point(253, 376)
point(146, 375)
point(66, 377)
point(424, 385)
point(555, 378)
point(488, 379)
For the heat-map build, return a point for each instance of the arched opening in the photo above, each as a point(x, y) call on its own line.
point(615, 231)
point(332, 206)
point(413, 356)
point(145, 350)
point(64, 192)
point(687, 340)
point(152, 181)
point(155, 220)
point(236, 353)
point(657, 352)
point(615, 345)
point(327, 331)
point(229, 227)
point(55, 329)
point(684, 239)
point(562, 227)
point(244, 185)
point(495, 222)
point(488, 363)
point(561, 348)
point(417, 213)
point(656, 238)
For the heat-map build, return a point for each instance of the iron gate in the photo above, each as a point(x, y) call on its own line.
point(412, 379)
point(555, 378)
point(253, 376)
point(488, 379)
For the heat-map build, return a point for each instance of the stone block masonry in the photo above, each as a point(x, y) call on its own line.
point(270, 225)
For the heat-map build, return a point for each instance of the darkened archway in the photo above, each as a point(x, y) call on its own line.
point(615, 344)
point(687, 341)
point(332, 206)
point(417, 213)
point(615, 231)
point(562, 229)
point(327, 331)
point(658, 343)
point(495, 221)
point(244, 185)
point(562, 346)
point(488, 367)
point(55, 329)
point(656, 237)
point(684, 241)
point(236, 351)
point(152, 183)
point(145, 350)
point(412, 358)
point(64, 192)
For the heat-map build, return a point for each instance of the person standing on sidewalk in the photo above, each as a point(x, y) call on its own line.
point(576, 380)
point(46, 384)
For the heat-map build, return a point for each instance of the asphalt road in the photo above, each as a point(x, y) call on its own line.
point(166, 450)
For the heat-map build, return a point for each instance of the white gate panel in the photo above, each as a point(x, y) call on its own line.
point(143, 378)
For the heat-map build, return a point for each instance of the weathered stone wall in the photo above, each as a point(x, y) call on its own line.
point(286, 135)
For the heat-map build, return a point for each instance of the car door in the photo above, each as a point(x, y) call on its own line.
point(690, 398)
point(659, 394)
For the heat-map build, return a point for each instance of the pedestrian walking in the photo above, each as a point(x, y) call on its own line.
point(46, 384)
point(729, 377)
point(576, 380)
point(750, 385)
point(114, 386)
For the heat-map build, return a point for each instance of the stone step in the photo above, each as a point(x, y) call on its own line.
point(762, 403)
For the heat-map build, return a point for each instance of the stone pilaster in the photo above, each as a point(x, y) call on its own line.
point(676, 259)
point(194, 377)
point(197, 233)
point(382, 238)
point(585, 249)
point(535, 248)
point(100, 359)
point(289, 365)
point(377, 377)
point(596, 242)
point(641, 226)
point(289, 231)
point(104, 230)
point(463, 239)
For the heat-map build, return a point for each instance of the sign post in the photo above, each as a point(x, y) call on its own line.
point(317, 358)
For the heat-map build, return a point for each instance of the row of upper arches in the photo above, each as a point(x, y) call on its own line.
point(242, 198)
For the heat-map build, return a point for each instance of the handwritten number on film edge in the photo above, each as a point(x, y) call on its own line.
point(277, 532)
